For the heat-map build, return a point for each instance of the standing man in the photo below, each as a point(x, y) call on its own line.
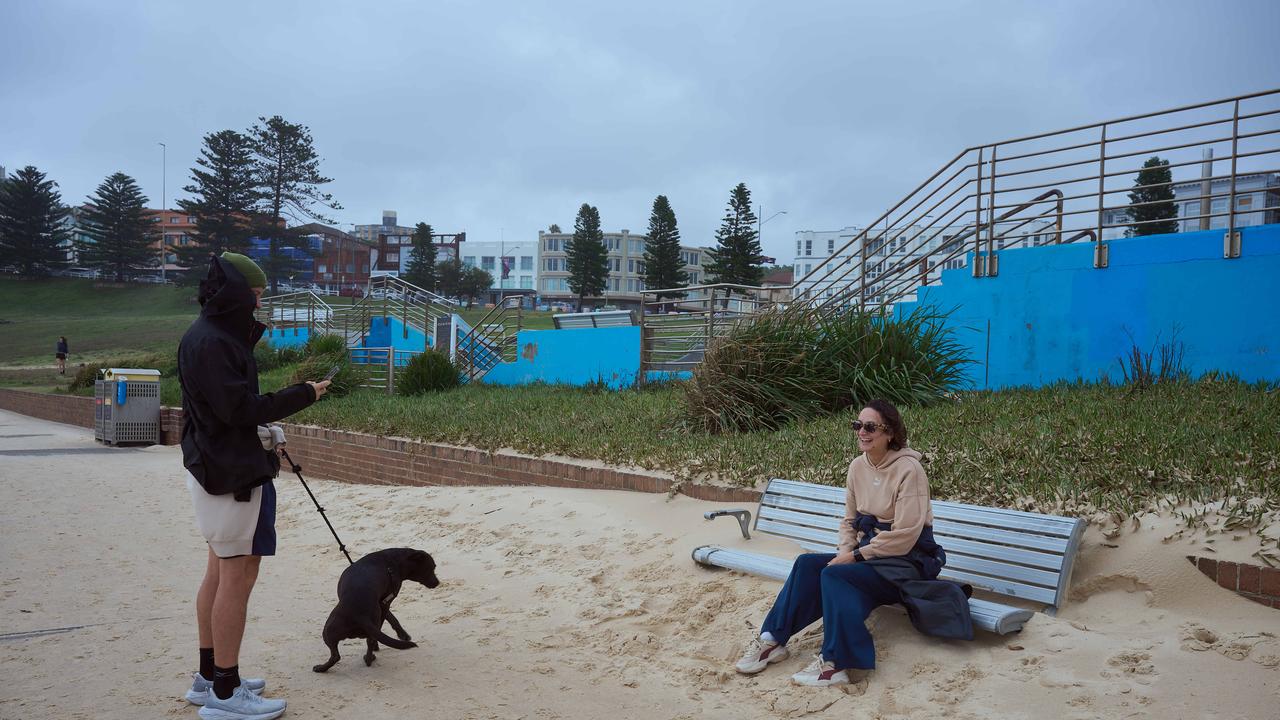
point(230, 475)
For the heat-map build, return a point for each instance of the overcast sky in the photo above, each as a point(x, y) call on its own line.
point(499, 119)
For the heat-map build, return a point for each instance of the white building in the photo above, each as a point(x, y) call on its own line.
point(625, 253)
point(513, 264)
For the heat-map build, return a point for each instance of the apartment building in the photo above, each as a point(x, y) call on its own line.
point(625, 253)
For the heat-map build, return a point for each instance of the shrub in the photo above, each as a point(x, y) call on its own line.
point(87, 374)
point(429, 372)
point(265, 356)
point(325, 345)
point(800, 363)
point(315, 367)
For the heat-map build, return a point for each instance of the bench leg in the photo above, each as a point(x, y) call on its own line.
point(743, 516)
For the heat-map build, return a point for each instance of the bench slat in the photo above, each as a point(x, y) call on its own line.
point(1013, 519)
point(795, 503)
point(1002, 570)
point(962, 546)
point(826, 493)
point(1003, 587)
point(821, 522)
point(794, 532)
point(945, 528)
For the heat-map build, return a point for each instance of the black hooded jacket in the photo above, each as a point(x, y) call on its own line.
point(221, 405)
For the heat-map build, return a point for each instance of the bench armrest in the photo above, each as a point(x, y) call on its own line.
point(743, 516)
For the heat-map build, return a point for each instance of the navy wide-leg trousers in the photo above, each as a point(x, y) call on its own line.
point(842, 596)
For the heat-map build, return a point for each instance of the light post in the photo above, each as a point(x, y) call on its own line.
point(164, 200)
point(761, 220)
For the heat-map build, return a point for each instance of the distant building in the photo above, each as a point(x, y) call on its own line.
point(342, 263)
point(513, 265)
point(176, 229)
point(625, 253)
point(779, 284)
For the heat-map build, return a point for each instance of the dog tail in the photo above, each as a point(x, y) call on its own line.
point(396, 643)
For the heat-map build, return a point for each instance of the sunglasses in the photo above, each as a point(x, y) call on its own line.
point(871, 427)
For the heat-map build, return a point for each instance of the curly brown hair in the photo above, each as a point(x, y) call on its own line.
point(893, 419)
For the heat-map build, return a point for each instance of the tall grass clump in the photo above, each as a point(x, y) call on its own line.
point(429, 372)
point(800, 363)
point(325, 345)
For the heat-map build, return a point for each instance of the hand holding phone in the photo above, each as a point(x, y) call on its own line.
point(332, 371)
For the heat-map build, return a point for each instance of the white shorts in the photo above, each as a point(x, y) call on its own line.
point(235, 528)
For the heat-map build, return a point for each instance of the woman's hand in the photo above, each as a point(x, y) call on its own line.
point(844, 558)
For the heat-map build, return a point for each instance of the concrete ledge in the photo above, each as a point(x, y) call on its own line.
point(373, 459)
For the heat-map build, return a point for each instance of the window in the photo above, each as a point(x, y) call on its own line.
point(1244, 202)
point(174, 220)
point(469, 261)
point(1192, 209)
point(553, 264)
point(526, 262)
point(613, 243)
point(615, 265)
point(364, 268)
point(631, 266)
point(393, 257)
point(831, 246)
point(637, 247)
point(808, 247)
point(322, 268)
point(486, 262)
point(351, 268)
point(808, 268)
point(552, 244)
point(797, 247)
point(640, 267)
point(191, 220)
point(526, 282)
point(1219, 205)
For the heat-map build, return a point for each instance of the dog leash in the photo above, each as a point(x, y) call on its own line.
point(297, 470)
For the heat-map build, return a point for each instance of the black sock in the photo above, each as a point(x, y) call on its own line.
point(225, 681)
point(206, 664)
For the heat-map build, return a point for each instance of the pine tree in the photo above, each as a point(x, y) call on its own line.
point(225, 192)
point(586, 257)
point(554, 229)
point(1161, 217)
point(422, 264)
point(287, 171)
point(737, 257)
point(663, 267)
point(122, 233)
point(31, 223)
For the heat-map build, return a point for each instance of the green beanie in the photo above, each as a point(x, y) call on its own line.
point(248, 268)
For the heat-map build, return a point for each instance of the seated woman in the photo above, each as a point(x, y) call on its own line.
point(886, 539)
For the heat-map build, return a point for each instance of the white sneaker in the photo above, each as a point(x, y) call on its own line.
point(820, 673)
point(242, 705)
point(759, 655)
point(202, 689)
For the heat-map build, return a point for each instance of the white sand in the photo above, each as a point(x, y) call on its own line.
point(554, 604)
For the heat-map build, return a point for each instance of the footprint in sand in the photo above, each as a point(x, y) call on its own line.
point(955, 688)
point(1197, 638)
point(1132, 662)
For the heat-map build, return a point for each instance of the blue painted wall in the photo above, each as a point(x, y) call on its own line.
point(1050, 315)
point(287, 337)
point(573, 357)
point(390, 332)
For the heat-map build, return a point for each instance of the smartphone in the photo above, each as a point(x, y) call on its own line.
point(332, 371)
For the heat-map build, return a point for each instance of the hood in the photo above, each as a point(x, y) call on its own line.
point(895, 455)
point(226, 298)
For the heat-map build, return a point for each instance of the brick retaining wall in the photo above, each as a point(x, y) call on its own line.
point(1259, 584)
point(369, 459)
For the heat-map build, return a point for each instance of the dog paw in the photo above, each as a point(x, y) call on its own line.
point(320, 668)
point(368, 660)
point(404, 636)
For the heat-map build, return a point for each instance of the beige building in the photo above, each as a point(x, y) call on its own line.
point(626, 268)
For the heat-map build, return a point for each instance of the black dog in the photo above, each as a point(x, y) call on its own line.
point(365, 592)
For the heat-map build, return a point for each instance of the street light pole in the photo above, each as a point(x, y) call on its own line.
point(164, 200)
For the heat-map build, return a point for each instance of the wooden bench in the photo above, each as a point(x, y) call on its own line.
point(1003, 552)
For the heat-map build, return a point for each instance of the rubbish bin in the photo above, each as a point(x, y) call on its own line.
point(126, 406)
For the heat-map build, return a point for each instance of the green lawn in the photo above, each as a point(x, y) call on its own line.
point(98, 321)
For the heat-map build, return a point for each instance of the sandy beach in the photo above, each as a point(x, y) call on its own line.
point(556, 603)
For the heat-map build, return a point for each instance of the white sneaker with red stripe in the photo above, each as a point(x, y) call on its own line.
point(820, 673)
point(759, 655)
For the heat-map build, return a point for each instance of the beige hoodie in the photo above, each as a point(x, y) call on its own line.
point(897, 492)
